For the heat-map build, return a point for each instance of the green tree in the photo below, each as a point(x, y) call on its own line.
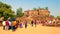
point(46, 8)
point(58, 17)
point(19, 12)
point(34, 8)
point(38, 8)
point(6, 10)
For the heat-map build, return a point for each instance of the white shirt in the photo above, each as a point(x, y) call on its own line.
point(9, 23)
point(3, 23)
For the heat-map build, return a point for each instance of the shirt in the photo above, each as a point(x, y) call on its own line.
point(3, 23)
point(14, 23)
point(7, 23)
point(10, 23)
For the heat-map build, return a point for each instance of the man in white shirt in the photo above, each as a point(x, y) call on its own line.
point(3, 23)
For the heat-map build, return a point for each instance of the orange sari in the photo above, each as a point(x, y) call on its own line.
point(14, 23)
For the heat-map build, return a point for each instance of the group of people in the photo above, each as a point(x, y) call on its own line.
point(10, 24)
point(7, 25)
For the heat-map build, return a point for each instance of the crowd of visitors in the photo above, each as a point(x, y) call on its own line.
point(12, 24)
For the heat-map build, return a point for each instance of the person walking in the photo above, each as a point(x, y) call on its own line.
point(35, 22)
point(20, 24)
point(7, 25)
point(25, 24)
point(32, 22)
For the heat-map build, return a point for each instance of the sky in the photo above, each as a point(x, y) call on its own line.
point(53, 5)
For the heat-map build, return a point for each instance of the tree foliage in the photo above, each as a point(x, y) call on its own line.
point(58, 17)
point(19, 12)
point(46, 8)
point(34, 8)
point(6, 10)
point(38, 8)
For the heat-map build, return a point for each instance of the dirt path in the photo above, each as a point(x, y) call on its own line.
point(33, 30)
